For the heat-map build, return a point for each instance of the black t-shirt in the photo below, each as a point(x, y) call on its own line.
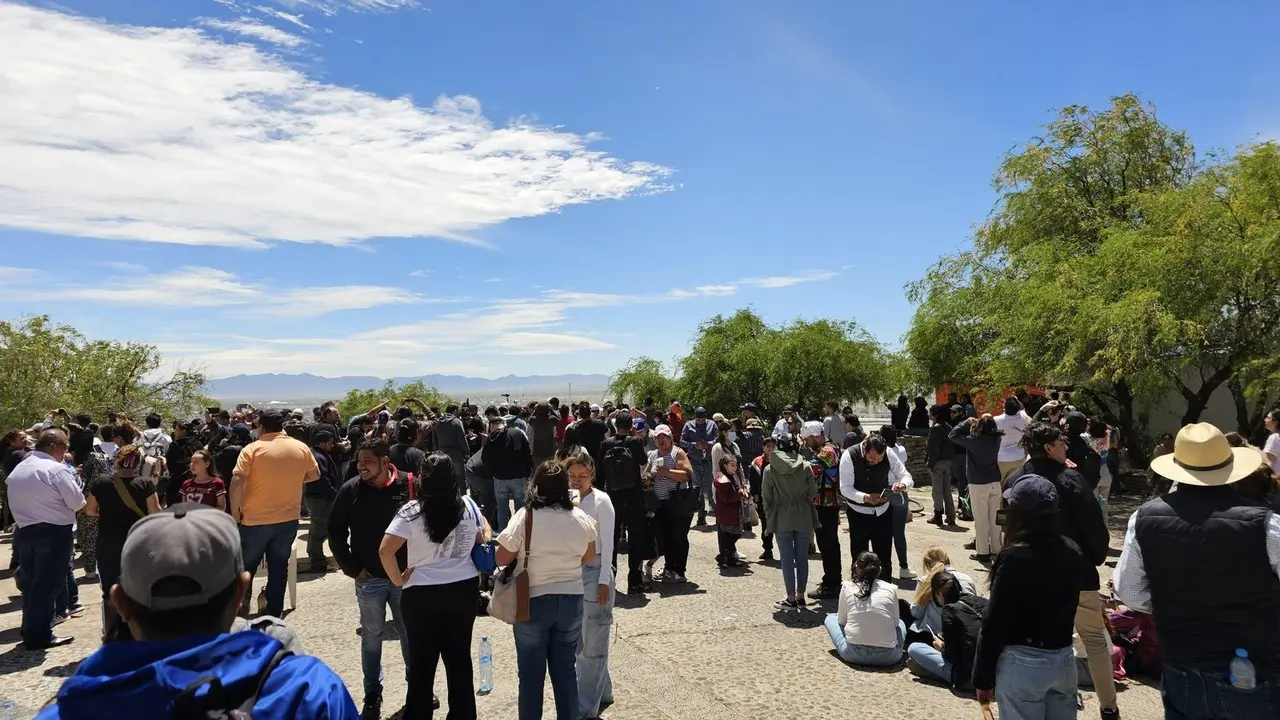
point(591, 432)
point(406, 458)
point(114, 517)
point(12, 458)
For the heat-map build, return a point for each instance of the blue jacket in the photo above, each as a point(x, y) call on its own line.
point(145, 677)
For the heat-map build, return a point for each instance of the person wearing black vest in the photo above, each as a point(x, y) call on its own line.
point(1205, 562)
point(868, 473)
point(1081, 520)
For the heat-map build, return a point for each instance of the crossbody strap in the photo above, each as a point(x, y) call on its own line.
point(125, 497)
point(528, 534)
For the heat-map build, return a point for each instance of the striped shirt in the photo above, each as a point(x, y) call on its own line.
point(663, 485)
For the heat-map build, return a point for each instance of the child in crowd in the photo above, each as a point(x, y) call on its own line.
point(203, 487)
point(729, 495)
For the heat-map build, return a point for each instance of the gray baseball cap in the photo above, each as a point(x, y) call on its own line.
point(188, 540)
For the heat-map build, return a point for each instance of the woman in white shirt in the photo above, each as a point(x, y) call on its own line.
point(865, 629)
point(563, 539)
point(1271, 449)
point(595, 686)
point(441, 585)
point(1012, 423)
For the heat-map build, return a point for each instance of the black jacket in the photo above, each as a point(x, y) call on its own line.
point(1088, 461)
point(450, 436)
point(1078, 511)
point(406, 458)
point(507, 455)
point(939, 448)
point(961, 625)
point(178, 459)
point(326, 486)
point(1035, 590)
point(361, 514)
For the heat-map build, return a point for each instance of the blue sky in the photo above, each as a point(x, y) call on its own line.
point(393, 187)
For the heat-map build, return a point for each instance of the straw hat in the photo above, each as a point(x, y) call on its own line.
point(1202, 456)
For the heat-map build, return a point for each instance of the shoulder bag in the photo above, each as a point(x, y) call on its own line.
point(484, 555)
point(510, 601)
point(125, 497)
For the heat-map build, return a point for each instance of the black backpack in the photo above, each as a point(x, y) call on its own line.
point(619, 468)
point(229, 702)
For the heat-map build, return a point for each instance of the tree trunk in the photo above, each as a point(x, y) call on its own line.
point(1249, 417)
point(1117, 409)
point(1198, 400)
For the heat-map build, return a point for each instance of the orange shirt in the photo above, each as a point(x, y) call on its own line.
point(274, 468)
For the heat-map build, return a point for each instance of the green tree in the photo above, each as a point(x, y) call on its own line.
point(643, 377)
point(360, 401)
point(729, 365)
point(810, 362)
point(46, 365)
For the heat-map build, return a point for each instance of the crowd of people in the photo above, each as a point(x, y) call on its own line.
point(411, 501)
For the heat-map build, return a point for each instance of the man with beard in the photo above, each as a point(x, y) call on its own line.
point(362, 510)
point(868, 473)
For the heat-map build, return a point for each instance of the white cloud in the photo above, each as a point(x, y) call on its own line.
point(716, 289)
point(419, 273)
point(527, 343)
point(781, 281)
point(287, 17)
point(169, 135)
point(205, 287)
point(122, 266)
point(331, 7)
point(250, 28)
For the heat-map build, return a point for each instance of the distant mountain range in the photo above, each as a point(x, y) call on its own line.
point(305, 385)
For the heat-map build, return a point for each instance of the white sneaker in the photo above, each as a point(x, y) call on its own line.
point(906, 574)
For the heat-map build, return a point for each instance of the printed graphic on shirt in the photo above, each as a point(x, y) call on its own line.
point(204, 493)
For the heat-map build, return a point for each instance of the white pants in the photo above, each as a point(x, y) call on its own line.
point(986, 501)
point(1104, 489)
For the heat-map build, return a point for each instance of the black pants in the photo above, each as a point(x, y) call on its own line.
point(766, 537)
point(876, 531)
point(438, 620)
point(671, 526)
point(828, 535)
point(628, 508)
point(110, 548)
point(728, 543)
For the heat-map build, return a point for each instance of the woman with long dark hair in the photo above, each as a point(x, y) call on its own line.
point(441, 585)
point(562, 539)
point(1024, 649)
point(204, 486)
point(981, 437)
point(866, 629)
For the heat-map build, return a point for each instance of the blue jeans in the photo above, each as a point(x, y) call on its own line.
point(275, 543)
point(864, 654)
point(793, 548)
point(900, 509)
point(373, 596)
point(930, 659)
point(595, 686)
point(1035, 684)
point(44, 555)
point(1196, 695)
point(548, 644)
point(703, 480)
point(504, 491)
point(70, 595)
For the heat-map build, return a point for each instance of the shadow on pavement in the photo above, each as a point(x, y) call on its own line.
point(677, 589)
point(803, 620)
point(17, 659)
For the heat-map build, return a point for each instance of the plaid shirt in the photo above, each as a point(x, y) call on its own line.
point(825, 464)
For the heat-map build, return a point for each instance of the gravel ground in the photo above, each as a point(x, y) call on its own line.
point(709, 649)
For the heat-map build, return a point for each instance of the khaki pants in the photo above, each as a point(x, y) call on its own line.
point(1007, 469)
point(986, 502)
point(1093, 633)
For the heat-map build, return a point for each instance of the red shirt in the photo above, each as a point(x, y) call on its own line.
point(205, 493)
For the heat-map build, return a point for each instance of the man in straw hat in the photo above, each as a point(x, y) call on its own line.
point(1205, 562)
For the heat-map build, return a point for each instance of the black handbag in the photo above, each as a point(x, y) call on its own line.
point(684, 499)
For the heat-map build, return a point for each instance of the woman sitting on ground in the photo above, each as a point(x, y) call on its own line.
point(927, 614)
point(866, 629)
point(949, 656)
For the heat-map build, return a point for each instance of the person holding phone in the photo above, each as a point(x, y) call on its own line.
point(868, 473)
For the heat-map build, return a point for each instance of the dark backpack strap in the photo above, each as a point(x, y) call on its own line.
point(247, 706)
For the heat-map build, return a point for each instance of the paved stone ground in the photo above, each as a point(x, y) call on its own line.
point(709, 650)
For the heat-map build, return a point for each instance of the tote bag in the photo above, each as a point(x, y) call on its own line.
point(510, 601)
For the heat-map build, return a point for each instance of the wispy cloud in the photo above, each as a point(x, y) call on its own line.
point(419, 273)
point(287, 17)
point(99, 119)
point(331, 7)
point(122, 266)
point(251, 28)
point(206, 287)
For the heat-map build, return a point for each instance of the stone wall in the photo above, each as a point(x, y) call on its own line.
point(915, 446)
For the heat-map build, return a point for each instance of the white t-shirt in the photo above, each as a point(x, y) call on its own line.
point(560, 538)
point(1272, 446)
point(599, 508)
point(437, 563)
point(870, 621)
point(1013, 426)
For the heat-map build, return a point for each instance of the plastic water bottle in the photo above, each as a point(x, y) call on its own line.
point(1243, 676)
point(486, 666)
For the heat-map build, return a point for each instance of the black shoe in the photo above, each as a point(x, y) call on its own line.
point(372, 707)
point(822, 592)
point(973, 545)
point(55, 641)
point(435, 702)
point(984, 559)
point(702, 519)
point(813, 549)
point(1110, 714)
point(935, 520)
point(767, 554)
